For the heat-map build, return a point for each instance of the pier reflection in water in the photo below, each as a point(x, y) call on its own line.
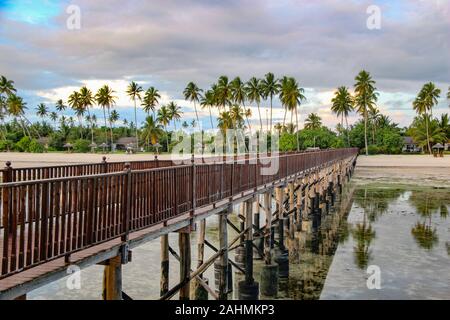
point(403, 230)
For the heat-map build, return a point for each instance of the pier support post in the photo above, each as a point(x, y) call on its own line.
point(240, 251)
point(184, 242)
point(164, 282)
point(259, 243)
point(222, 266)
point(248, 288)
point(199, 292)
point(269, 271)
point(298, 219)
point(292, 210)
point(281, 254)
point(112, 279)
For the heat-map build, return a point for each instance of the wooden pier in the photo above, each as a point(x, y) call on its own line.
point(54, 217)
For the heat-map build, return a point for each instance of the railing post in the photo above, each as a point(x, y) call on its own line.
point(6, 219)
point(126, 211)
point(7, 177)
point(193, 184)
point(156, 161)
point(105, 165)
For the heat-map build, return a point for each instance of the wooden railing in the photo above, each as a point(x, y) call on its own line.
point(10, 174)
point(50, 218)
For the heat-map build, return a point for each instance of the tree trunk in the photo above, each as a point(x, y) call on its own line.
point(110, 128)
point(365, 131)
point(348, 133)
point(428, 135)
point(196, 114)
point(270, 114)
point(35, 130)
point(284, 118)
point(106, 126)
point(210, 117)
point(298, 128)
point(135, 126)
point(92, 129)
point(260, 119)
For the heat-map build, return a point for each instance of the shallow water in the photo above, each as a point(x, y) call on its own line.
point(402, 229)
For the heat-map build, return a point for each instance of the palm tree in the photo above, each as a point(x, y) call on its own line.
point(193, 93)
point(254, 93)
point(237, 115)
point(365, 98)
point(374, 117)
point(134, 92)
point(164, 119)
point(75, 103)
point(448, 95)
point(342, 105)
point(6, 86)
point(41, 110)
point(424, 103)
point(279, 127)
point(425, 131)
point(114, 117)
point(87, 100)
point(291, 96)
point(207, 101)
point(60, 106)
point(225, 122)
point(16, 108)
point(6, 89)
point(271, 88)
point(223, 92)
point(313, 122)
point(185, 125)
point(151, 131)
point(106, 100)
point(444, 124)
point(248, 114)
point(54, 117)
point(151, 100)
point(175, 113)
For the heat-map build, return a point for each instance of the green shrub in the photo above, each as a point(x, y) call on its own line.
point(6, 145)
point(23, 144)
point(373, 149)
point(35, 147)
point(81, 145)
point(288, 142)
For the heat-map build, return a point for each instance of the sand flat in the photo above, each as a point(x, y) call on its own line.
point(404, 161)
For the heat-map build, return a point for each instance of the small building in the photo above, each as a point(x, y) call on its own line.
point(409, 146)
point(447, 146)
point(125, 143)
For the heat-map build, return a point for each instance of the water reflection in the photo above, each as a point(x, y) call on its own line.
point(405, 232)
point(399, 229)
point(363, 235)
point(428, 204)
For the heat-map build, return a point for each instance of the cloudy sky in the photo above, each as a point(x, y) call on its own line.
point(167, 43)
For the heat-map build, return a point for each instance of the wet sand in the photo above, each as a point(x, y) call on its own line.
point(419, 170)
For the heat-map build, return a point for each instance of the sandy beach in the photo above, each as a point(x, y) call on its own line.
point(19, 159)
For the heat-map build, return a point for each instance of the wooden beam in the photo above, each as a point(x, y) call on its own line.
point(112, 279)
point(164, 282)
point(184, 242)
